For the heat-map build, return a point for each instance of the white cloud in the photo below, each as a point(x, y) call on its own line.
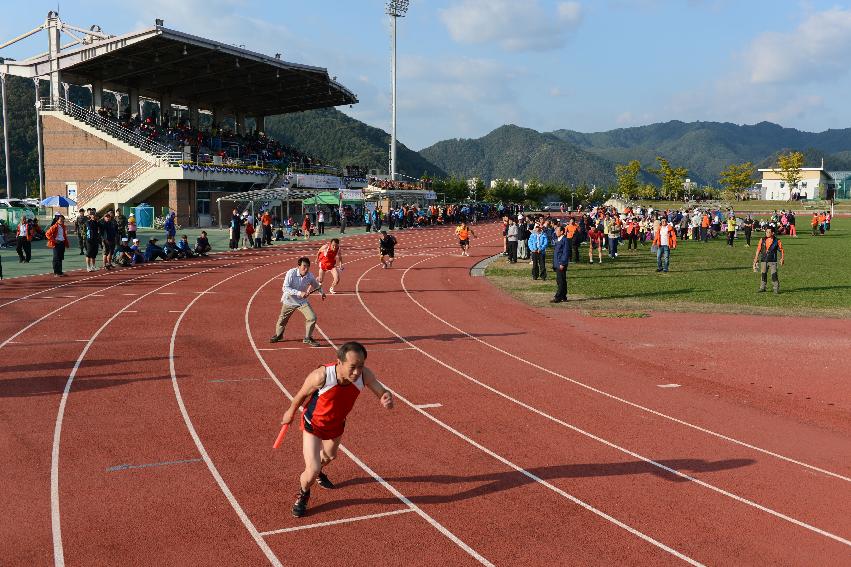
point(819, 47)
point(515, 26)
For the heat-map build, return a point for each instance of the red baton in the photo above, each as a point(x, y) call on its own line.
point(281, 436)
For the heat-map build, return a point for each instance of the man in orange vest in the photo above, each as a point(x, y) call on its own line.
point(766, 257)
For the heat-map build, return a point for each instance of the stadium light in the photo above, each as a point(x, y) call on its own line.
point(395, 9)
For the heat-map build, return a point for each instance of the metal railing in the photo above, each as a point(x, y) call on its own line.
point(105, 125)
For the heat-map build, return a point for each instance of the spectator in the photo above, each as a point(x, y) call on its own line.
point(123, 254)
point(24, 235)
point(170, 226)
point(266, 223)
point(154, 251)
point(170, 249)
point(92, 241)
point(131, 227)
point(57, 238)
point(80, 229)
point(561, 258)
point(109, 234)
point(511, 236)
point(538, 248)
point(664, 239)
point(138, 256)
point(183, 248)
point(766, 258)
point(235, 224)
point(202, 244)
point(320, 221)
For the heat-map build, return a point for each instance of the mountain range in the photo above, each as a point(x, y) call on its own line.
point(560, 156)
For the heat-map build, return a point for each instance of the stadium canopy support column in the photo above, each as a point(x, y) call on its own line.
point(36, 82)
point(6, 137)
point(53, 40)
point(219, 205)
point(97, 95)
point(133, 105)
point(217, 117)
point(165, 110)
point(194, 116)
point(260, 124)
point(240, 123)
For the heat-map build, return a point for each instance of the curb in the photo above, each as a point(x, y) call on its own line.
point(479, 269)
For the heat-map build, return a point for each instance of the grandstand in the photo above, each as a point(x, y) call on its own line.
point(169, 145)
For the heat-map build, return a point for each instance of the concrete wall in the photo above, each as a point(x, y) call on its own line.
point(73, 155)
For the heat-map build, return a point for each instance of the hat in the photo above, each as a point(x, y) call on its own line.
point(124, 240)
point(135, 240)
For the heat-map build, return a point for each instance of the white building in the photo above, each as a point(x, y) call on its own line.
point(513, 181)
point(813, 184)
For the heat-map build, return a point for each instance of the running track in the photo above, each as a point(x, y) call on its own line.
point(138, 409)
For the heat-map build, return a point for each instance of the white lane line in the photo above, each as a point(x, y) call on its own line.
point(608, 443)
point(617, 398)
point(249, 525)
point(390, 488)
point(539, 480)
point(427, 406)
point(46, 297)
point(168, 293)
point(175, 311)
point(98, 295)
point(667, 385)
point(70, 303)
point(55, 516)
point(335, 522)
point(130, 311)
point(130, 294)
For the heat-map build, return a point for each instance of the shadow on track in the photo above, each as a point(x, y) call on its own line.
point(499, 482)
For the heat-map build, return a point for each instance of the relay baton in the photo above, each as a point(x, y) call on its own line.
point(281, 434)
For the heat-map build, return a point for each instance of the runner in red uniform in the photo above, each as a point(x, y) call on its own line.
point(330, 259)
point(330, 392)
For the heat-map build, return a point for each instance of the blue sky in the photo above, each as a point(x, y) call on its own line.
point(469, 66)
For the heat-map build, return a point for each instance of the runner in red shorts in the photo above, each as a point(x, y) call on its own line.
point(330, 259)
point(330, 392)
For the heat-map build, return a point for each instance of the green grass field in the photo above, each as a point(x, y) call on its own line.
point(760, 206)
point(712, 277)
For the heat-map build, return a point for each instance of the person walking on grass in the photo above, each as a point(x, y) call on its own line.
point(748, 228)
point(330, 259)
point(664, 240)
point(328, 395)
point(766, 259)
point(57, 238)
point(731, 230)
point(298, 284)
point(561, 258)
point(538, 248)
point(595, 240)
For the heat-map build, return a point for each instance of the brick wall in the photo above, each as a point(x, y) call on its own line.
point(73, 155)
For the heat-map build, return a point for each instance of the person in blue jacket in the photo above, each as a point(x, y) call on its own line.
point(561, 257)
point(170, 227)
point(538, 248)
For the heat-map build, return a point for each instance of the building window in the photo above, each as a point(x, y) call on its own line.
point(782, 184)
point(203, 206)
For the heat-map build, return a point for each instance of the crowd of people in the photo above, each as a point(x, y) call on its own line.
point(217, 141)
point(112, 239)
point(530, 237)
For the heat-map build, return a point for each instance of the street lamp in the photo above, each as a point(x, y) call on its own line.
point(395, 9)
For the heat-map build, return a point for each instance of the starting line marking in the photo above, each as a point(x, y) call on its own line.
point(426, 406)
point(149, 465)
point(335, 522)
point(668, 386)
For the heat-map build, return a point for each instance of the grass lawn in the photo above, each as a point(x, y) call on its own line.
point(712, 277)
point(841, 207)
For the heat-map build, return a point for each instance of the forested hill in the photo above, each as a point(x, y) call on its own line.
point(705, 148)
point(341, 140)
point(511, 151)
point(20, 100)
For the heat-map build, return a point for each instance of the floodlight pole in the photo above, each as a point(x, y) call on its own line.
point(6, 137)
point(395, 9)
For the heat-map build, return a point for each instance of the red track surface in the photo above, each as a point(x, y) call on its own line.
point(138, 415)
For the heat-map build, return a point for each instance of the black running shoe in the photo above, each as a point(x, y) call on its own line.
point(300, 506)
point(324, 481)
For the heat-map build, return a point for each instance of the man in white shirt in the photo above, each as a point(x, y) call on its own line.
point(299, 283)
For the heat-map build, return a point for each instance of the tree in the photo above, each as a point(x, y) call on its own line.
point(628, 184)
point(789, 168)
point(672, 178)
point(534, 191)
point(736, 178)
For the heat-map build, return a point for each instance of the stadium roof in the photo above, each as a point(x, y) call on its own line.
point(192, 70)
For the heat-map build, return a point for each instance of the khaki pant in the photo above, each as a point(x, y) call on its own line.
point(766, 268)
point(287, 311)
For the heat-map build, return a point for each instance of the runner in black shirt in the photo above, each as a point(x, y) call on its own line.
point(387, 246)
